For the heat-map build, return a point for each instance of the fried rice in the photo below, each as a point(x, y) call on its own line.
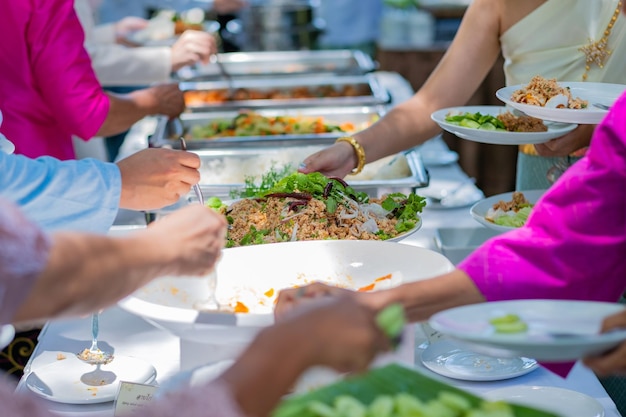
point(540, 90)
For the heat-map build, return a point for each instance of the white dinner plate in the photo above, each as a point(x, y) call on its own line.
point(479, 210)
point(558, 330)
point(449, 359)
point(561, 401)
point(602, 93)
point(555, 130)
point(71, 381)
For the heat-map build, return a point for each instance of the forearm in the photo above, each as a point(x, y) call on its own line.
point(278, 354)
point(405, 126)
point(127, 109)
point(85, 273)
point(422, 299)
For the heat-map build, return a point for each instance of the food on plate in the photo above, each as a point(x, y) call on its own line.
point(508, 323)
point(510, 213)
point(547, 93)
point(254, 124)
point(201, 97)
point(315, 207)
point(504, 122)
point(258, 299)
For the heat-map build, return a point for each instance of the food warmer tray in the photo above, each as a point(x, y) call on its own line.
point(223, 170)
point(282, 63)
point(167, 131)
point(350, 90)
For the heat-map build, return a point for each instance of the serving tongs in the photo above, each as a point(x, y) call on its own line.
point(195, 187)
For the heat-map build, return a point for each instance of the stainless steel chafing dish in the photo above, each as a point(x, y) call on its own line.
point(283, 63)
point(284, 92)
point(223, 170)
point(167, 132)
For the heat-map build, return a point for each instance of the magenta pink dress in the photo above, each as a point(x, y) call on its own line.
point(573, 246)
point(48, 89)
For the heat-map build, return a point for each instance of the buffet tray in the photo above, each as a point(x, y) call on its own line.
point(281, 63)
point(167, 131)
point(225, 170)
point(201, 96)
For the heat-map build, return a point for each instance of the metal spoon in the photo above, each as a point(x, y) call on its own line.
point(196, 187)
point(226, 75)
point(93, 355)
point(602, 106)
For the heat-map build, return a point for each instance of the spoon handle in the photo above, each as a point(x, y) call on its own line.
point(95, 330)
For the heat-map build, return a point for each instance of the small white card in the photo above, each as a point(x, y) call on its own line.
point(132, 397)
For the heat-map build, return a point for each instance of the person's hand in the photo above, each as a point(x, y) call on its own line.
point(192, 46)
point(194, 236)
point(337, 160)
point(165, 99)
point(614, 361)
point(293, 298)
point(341, 332)
point(290, 298)
point(155, 177)
point(567, 144)
point(128, 25)
point(228, 6)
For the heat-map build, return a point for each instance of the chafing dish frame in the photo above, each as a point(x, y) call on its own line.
point(376, 94)
point(418, 178)
point(283, 63)
point(168, 131)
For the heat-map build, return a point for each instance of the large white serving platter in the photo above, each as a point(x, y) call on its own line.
point(558, 330)
point(564, 402)
point(555, 130)
point(601, 93)
point(480, 209)
point(71, 381)
point(169, 302)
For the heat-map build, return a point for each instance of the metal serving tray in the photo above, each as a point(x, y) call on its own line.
point(282, 63)
point(284, 92)
point(223, 170)
point(167, 131)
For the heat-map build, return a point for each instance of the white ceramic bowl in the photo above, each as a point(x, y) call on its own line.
point(168, 302)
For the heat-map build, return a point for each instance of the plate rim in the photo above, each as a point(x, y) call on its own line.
point(600, 409)
point(82, 400)
point(451, 374)
point(591, 115)
point(490, 137)
point(515, 343)
point(480, 217)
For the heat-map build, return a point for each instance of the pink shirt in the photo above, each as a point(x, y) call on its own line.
point(48, 90)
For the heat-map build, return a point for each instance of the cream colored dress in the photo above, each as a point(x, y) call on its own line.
point(546, 43)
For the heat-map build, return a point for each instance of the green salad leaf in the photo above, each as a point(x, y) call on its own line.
point(476, 121)
point(516, 220)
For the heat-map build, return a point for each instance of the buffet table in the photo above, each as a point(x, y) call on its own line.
point(130, 335)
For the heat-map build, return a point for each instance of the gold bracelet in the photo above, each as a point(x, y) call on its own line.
point(358, 150)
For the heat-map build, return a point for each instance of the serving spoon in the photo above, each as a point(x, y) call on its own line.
point(196, 187)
